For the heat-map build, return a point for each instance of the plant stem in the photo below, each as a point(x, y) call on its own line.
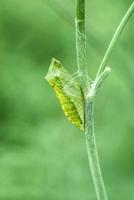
point(89, 120)
point(97, 82)
point(81, 41)
point(92, 152)
point(115, 38)
point(90, 137)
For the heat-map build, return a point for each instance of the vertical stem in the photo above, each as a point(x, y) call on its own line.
point(81, 41)
point(92, 151)
point(80, 15)
point(89, 121)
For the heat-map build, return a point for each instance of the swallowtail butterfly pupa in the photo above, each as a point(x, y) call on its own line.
point(68, 91)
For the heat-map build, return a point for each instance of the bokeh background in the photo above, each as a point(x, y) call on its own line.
point(43, 156)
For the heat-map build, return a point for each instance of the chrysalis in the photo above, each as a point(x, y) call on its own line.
point(68, 91)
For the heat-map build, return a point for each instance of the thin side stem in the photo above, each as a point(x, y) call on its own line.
point(92, 152)
point(81, 41)
point(115, 38)
point(97, 82)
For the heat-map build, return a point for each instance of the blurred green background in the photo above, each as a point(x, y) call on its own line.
point(43, 156)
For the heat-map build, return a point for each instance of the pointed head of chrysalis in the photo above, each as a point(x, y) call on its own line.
point(56, 73)
point(68, 91)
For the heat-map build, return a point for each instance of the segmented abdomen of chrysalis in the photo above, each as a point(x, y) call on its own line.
point(69, 107)
point(68, 92)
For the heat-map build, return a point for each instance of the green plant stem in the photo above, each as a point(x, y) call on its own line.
point(89, 101)
point(81, 41)
point(97, 82)
point(115, 38)
point(90, 137)
point(92, 152)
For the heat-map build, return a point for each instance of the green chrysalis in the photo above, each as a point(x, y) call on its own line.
point(68, 91)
